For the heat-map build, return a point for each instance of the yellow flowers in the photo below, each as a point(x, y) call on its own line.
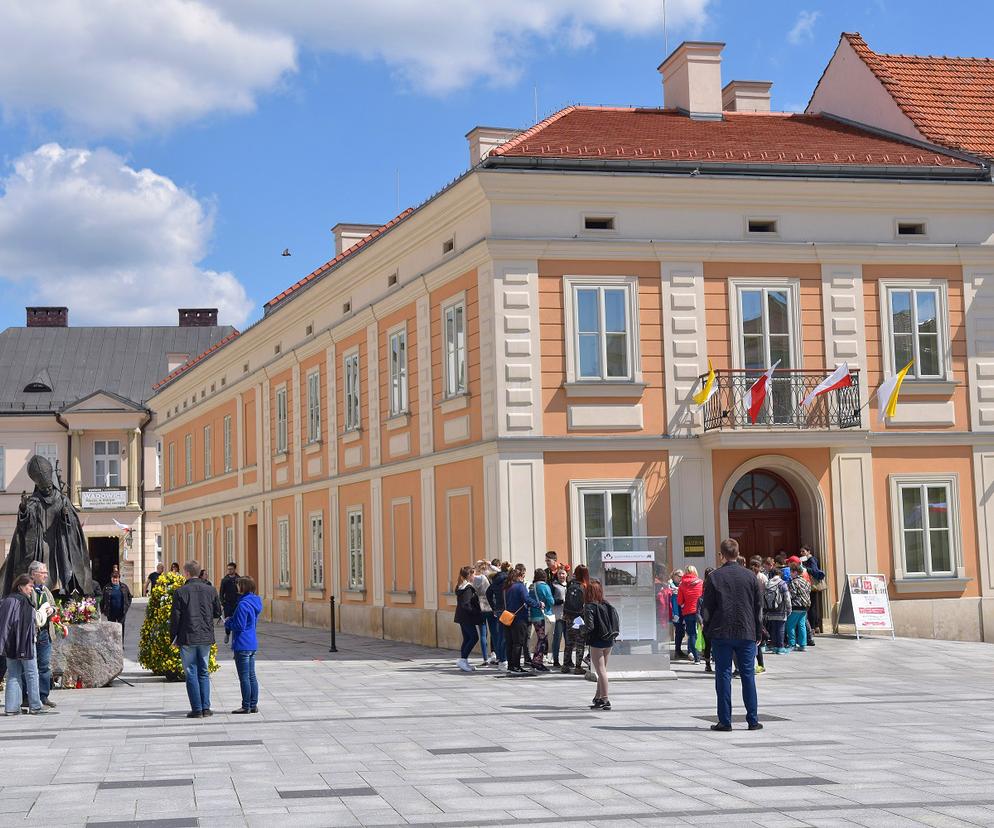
point(155, 649)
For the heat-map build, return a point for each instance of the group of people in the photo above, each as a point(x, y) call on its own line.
point(791, 606)
point(512, 621)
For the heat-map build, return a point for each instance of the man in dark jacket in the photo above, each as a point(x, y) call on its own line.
point(115, 601)
point(191, 627)
point(17, 642)
point(733, 621)
point(229, 595)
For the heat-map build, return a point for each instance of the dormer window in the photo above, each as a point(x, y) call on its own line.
point(41, 383)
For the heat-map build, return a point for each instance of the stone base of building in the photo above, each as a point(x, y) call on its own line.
point(942, 619)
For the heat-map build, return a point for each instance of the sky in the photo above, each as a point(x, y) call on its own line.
point(157, 154)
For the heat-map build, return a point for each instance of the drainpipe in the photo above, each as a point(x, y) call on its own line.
point(141, 496)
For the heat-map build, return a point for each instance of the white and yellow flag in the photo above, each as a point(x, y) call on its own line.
point(888, 392)
point(708, 389)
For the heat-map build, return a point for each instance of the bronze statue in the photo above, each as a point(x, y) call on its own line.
point(48, 530)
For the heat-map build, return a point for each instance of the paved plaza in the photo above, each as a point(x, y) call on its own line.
point(873, 733)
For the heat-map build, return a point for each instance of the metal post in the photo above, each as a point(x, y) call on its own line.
point(334, 647)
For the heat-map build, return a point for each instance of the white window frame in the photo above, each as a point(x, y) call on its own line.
point(229, 545)
point(158, 464)
point(188, 451)
point(173, 546)
point(314, 406)
point(355, 544)
point(578, 488)
point(316, 524)
point(208, 562)
point(172, 466)
point(631, 286)
point(50, 451)
point(397, 372)
point(352, 384)
point(910, 581)
point(793, 288)
point(3, 469)
point(282, 416)
point(158, 549)
point(887, 286)
point(191, 552)
point(226, 437)
point(283, 551)
point(455, 356)
point(208, 452)
point(106, 457)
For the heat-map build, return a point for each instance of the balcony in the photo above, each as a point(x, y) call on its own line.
point(728, 408)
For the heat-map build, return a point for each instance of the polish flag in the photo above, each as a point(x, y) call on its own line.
point(839, 378)
point(757, 393)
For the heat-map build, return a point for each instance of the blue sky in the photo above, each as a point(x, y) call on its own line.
point(171, 153)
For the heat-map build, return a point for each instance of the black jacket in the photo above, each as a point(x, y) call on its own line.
point(105, 607)
point(195, 607)
point(229, 594)
point(17, 626)
point(468, 606)
point(495, 592)
point(732, 604)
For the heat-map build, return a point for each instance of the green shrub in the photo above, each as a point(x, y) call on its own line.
point(155, 649)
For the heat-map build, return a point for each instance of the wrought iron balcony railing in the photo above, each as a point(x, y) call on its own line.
point(729, 407)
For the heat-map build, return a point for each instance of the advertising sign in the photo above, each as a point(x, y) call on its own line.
point(103, 498)
point(866, 604)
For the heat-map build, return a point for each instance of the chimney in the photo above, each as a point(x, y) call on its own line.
point(48, 317)
point(692, 79)
point(197, 317)
point(746, 96)
point(346, 235)
point(482, 140)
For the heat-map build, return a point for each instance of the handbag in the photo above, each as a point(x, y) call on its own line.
point(700, 638)
point(507, 617)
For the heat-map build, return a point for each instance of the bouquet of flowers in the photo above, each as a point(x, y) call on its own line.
point(78, 611)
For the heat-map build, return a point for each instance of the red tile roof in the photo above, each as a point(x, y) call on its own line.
point(345, 254)
point(760, 138)
point(949, 99)
point(186, 366)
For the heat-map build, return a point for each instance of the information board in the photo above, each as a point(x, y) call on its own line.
point(103, 498)
point(866, 605)
point(693, 546)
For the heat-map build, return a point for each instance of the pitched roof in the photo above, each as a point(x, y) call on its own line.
point(123, 361)
point(739, 138)
point(186, 366)
point(949, 99)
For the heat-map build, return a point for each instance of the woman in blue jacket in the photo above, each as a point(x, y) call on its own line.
point(542, 593)
point(244, 643)
point(516, 601)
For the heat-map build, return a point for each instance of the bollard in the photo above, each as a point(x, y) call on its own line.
point(333, 648)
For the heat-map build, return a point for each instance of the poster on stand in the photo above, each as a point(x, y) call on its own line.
point(866, 604)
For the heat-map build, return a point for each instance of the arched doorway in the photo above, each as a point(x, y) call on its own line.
point(763, 514)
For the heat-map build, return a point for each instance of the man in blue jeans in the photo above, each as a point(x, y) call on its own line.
point(41, 597)
point(196, 607)
point(732, 607)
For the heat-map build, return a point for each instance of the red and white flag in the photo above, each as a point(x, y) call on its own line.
point(757, 393)
point(839, 378)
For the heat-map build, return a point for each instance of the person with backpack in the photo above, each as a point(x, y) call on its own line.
point(678, 630)
point(537, 616)
point(495, 597)
point(819, 583)
point(517, 602)
point(690, 592)
point(576, 637)
point(603, 626)
point(707, 638)
point(558, 600)
point(776, 608)
point(468, 616)
point(800, 602)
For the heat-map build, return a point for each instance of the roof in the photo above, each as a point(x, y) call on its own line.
point(949, 99)
point(186, 366)
point(124, 361)
point(739, 138)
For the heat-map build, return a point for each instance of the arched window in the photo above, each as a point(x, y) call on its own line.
point(760, 490)
point(40, 383)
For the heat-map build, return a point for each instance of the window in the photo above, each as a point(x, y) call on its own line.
point(926, 529)
point(158, 549)
point(172, 548)
point(911, 228)
point(172, 466)
point(448, 246)
point(347, 307)
point(208, 562)
point(352, 410)
point(601, 328)
point(758, 490)
point(281, 421)
point(107, 462)
point(357, 564)
point(915, 330)
point(768, 226)
point(309, 330)
point(314, 407)
point(454, 322)
point(158, 464)
point(766, 328)
point(317, 550)
point(398, 372)
point(283, 531)
point(3, 469)
point(606, 515)
point(191, 553)
point(392, 280)
point(188, 451)
point(208, 453)
point(226, 438)
point(598, 223)
point(50, 451)
point(229, 545)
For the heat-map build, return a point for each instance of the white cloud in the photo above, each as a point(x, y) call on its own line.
point(804, 27)
point(113, 66)
point(118, 246)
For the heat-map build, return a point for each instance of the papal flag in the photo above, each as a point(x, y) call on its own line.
point(888, 392)
point(708, 389)
point(757, 393)
point(839, 378)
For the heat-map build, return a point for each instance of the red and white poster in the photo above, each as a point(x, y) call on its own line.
point(870, 603)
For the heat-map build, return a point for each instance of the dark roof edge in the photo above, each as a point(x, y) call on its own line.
point(135, 405)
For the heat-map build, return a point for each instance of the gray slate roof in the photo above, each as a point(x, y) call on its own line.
point(125, 361)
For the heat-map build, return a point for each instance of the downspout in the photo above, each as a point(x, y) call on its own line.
point(141, 496)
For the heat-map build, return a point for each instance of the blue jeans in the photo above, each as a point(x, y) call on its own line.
point(499, 635)
point(18, 670)
point(745, 655)
point(470, 635)
point(775, 628)
point(797, 628)
point(690, 624)
point(44, 659)
point(198, 683)
point(245, 665)
point(678, 632)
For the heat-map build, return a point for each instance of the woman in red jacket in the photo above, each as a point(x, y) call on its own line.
point(688, 595)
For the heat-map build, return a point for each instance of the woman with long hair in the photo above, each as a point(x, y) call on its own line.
point(543, 594)
point(573, 603)
point(469, 616)
point(517, 601)
point(601, 621)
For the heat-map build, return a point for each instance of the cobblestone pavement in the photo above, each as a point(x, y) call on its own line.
point(872, 733)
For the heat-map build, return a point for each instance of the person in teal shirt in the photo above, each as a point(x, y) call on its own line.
point(541, 592)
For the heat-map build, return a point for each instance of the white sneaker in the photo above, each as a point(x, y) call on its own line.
point(464, 665)
point(502, 665)
point(492, 659)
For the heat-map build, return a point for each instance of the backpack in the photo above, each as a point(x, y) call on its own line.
point(773, 597)
point(574, 600)
point(607, 624)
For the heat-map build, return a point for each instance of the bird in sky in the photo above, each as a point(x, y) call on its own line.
point(286, 252)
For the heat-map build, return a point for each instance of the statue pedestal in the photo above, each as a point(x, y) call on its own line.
point(91, 652)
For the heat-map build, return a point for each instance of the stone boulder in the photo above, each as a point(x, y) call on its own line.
point(91, 652)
